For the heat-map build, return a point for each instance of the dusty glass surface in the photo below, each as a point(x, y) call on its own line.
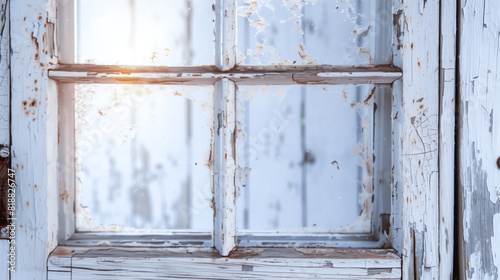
point(142, 157)
point(146, 32)
point(308, 154)
point(338, 32)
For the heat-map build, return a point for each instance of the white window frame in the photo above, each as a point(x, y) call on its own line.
point(420, 219)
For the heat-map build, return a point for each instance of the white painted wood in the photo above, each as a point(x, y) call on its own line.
point(479, 145)
point(225, 34)
point(4, 258)
point(447, 137)
point(208, 78)
point(243, 263)
point(66, 161)
point(416, 124)
point(224, 167)
point(34, 134)
point(66, 31)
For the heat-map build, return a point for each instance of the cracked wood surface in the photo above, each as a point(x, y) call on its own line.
point(34, 134)
point(191, 263)
point(416, 137)
point(479, 135)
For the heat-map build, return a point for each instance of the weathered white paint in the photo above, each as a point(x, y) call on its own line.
point(206, 263)
point(225, 34)
point(224, 167)
point(479, 145)
point(447, 137)
point(34, 141)
point(34, 134)
point(416, 137)
point(200, 76)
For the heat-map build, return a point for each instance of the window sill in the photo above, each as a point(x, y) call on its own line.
point(67, 262)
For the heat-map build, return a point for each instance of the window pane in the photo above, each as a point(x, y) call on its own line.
point(336, 32)
point(147, 32)
point(308, 153)
point(142, 157)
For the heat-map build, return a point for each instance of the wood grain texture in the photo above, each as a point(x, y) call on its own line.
point(479, 145)
point(34, 134)
point(107, 75)
point(113, 263)
point(416, 137)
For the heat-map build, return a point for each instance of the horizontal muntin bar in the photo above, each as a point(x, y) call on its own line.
point(208, 75)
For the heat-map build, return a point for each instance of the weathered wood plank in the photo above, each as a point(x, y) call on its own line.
point(209, 78)
point(278, 68)
point(447, 137)
point(34, 134)
point(416, 124)
point(175, 263)
point(479, 145)
point(224, 166)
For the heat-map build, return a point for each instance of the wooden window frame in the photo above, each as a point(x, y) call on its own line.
point(422, 218)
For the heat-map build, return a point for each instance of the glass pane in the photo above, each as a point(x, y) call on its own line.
point(308, 155)
point(142, 157)
point(340, 32)
point(147, 32)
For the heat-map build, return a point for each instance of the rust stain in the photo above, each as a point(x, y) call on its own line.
point(36, 187)
point(27, 203)
point(34, 40)
point(369, 96)
point(39, 17)
point(33, 102)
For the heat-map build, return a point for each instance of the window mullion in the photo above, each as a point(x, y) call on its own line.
point(225, 34)
point(224, 166)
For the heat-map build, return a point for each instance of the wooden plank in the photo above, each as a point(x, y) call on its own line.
point(4, 110)
point(271, 78)
point(447, 137)
point(479, 146)
point(34, 134)
point(416, 124)
point(66, 161)
point(278, 68)
point(192, 263)
point(224, 167)
point(225, 34)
